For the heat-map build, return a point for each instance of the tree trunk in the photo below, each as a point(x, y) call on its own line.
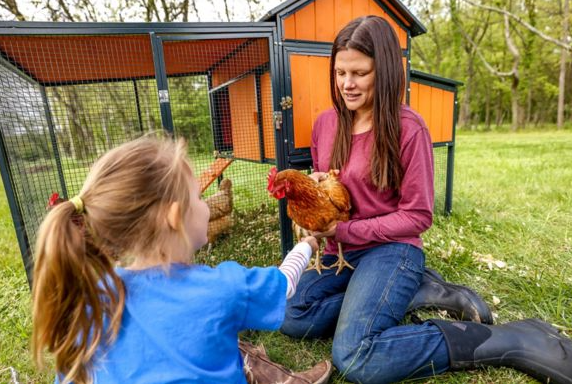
point(499, 111)
point(108, 140)
point(563, 60)
point(488, 110)
point(465, 113)
point(75, 123)
point(515, 108)
point(529, 118)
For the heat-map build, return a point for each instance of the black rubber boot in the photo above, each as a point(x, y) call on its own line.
point(531, 346)
point(460, 302)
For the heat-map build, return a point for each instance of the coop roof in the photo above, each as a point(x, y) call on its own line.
point(396, 6)
point(75, 56)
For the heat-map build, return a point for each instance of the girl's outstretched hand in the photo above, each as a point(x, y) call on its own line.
point(312, 241)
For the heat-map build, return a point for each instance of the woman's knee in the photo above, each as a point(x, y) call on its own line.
point(293, 328)
point(347, 363)
point(345, 356)
point(354, 363)
point(312, 320)
point(297, 322)
point(305, 328)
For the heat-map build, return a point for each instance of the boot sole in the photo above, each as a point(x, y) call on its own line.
point(529, 364)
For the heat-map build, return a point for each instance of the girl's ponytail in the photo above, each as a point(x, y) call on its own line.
point(74, 289)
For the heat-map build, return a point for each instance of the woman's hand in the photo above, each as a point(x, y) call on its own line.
point(330, 232)
point(312, 241)
point(318, 176)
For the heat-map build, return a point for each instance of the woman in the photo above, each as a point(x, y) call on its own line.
point(383, 151)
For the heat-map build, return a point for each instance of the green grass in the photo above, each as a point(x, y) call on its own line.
point(511, 203)
point(15, 321)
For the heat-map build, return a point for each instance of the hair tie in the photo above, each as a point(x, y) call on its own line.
point(78, 204)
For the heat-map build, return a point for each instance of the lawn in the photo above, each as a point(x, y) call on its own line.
point(508, 238)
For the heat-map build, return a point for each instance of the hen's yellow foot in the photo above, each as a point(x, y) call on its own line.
point(317, 265)
point(341, 263)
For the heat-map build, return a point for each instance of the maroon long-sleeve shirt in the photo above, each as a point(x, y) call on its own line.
point(388, 216)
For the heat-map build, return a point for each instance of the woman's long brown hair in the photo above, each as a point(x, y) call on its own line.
point(75, 288)
point(374, 37)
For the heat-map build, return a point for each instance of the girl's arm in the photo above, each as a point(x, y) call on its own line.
point(296, 262)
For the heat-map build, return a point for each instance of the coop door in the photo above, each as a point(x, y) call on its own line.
point(244, 116)
point(307, 95)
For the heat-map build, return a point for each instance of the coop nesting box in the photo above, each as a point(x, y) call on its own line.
point(245, 95)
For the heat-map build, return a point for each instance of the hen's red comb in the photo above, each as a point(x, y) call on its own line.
point(271, 175)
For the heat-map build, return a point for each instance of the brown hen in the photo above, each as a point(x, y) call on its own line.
point(220, 206)
point(312, 205)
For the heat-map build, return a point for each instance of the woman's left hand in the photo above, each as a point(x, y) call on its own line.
point(330, 232)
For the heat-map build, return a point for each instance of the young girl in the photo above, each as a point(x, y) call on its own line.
point(159, 318)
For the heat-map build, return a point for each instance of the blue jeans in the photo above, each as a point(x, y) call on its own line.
point(362, 309)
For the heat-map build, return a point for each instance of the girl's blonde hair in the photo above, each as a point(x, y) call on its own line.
point(126, 198)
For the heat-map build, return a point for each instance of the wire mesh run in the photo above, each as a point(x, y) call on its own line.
point(68, 99)
point(440, 157)
point(29, 146)
point(221, 103)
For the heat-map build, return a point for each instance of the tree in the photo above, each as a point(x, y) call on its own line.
point(563, 43)
point(476, 31)
point(564, 54)
point(12, 7)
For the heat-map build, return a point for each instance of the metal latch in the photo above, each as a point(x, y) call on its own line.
point(286, 102)
point(163, 96)
point(278, 120)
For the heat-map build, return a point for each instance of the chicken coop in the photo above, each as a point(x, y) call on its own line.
point(244, 95)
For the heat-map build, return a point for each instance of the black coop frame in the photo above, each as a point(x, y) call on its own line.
point(36, 108)
point(178, 50)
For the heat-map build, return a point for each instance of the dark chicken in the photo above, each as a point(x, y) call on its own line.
point(314, 206)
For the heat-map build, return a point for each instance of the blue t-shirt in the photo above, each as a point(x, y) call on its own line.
point(182, 326)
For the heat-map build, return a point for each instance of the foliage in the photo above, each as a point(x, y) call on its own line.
point(190, 109)
point(31, 147)
point(90, 119)
point(508, 238)
point(462, 37)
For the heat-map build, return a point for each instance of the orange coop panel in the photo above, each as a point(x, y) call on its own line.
point(435, 102)
point(205, 53)
point(310, 93)
point(321, 20)
point(267, 122)
point(244, 118)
